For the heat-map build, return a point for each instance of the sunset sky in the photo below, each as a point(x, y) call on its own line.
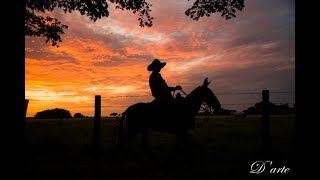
point(109, 57)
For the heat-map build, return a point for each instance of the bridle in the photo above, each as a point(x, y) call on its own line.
point(202, 104)
point(181, 91)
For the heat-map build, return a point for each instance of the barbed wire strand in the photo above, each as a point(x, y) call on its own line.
point(238, 93)
point(233, 104)
point(224, 104)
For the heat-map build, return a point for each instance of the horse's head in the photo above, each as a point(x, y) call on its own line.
point(207, 96)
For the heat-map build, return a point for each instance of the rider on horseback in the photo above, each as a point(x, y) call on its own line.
point(159, 88)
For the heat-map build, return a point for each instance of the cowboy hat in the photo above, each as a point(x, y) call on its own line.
point(156, 64)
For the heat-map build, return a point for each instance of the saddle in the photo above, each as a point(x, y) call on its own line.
point(171, 114)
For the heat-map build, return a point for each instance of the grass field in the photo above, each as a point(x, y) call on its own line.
point(221, 147)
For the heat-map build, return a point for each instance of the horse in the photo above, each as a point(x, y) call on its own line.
point(140, 117)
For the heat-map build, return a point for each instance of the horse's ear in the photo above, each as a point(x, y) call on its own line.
point(206, 83)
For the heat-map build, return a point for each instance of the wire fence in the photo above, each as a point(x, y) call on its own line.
point(265, 121)
point(217, 94)
point(137, 98)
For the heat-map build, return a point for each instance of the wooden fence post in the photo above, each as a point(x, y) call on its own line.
point(265, 123)
point(97, 123)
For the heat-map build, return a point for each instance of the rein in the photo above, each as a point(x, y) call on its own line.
point(184, 92)
point(181, 91)
point(187, 94)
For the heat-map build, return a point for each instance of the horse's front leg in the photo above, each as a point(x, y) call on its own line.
point(144, 138)
point(182, 142)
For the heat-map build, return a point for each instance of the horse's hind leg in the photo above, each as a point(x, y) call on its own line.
point(125, 134)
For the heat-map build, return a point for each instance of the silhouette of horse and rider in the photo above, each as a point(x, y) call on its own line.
point(165, 112)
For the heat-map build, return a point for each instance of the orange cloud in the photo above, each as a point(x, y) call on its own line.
point(109, 57)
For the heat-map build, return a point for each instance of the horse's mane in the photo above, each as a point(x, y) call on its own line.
point(194, 93)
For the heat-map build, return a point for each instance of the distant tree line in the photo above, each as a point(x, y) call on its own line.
point(57, 113)
point(114, 114)
point(282, 109)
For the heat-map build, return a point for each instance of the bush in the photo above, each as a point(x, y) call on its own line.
point(78, 115)
point(56, 113)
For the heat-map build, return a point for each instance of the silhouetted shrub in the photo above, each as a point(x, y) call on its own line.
point(53, 114)
point(114, 114)
point(222, 111)
point(78, 115)
point(282, 109)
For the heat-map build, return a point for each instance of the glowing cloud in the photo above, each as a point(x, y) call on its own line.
point(109, 57)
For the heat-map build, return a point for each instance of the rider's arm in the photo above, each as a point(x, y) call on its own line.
point(166, 86)
point(172, 88)
point(175, 88)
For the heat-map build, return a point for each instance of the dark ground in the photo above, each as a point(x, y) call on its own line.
point(222, 147)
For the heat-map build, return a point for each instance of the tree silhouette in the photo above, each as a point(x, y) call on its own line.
point(78, 115)
point(53, 114)
point(227, 8)
point(114, 114)
point(281, 109)
point(52, 28)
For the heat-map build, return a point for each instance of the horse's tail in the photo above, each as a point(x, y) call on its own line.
point(121, 122)
point(124, 128)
